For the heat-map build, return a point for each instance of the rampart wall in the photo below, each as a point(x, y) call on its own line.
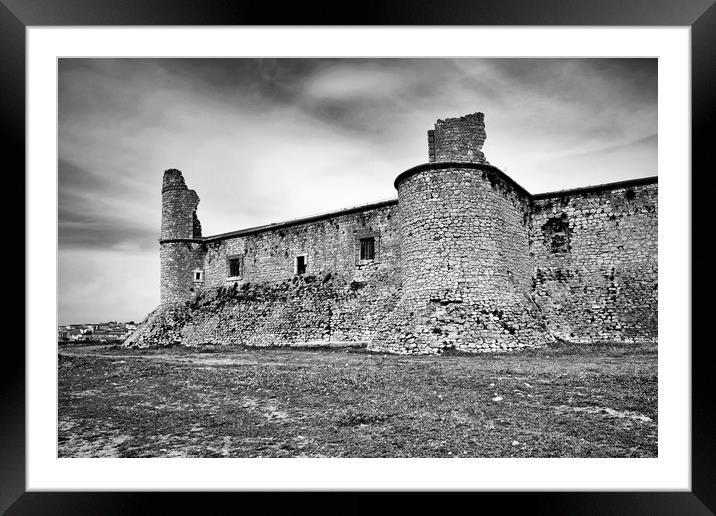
point(328, 244)
point(596, 262)
point(465, 258)
point(328, 309)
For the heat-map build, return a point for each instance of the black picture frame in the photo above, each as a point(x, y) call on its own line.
point(700, 15)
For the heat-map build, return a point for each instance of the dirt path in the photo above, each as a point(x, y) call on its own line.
point(196, 359)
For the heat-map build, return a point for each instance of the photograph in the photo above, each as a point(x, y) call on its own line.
point(419, 247)
point(359, 257)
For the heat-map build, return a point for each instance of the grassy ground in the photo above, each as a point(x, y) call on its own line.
point(564, 401)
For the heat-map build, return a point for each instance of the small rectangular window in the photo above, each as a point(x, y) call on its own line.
point(367, 248)
point(300, 264)
point(236, 267)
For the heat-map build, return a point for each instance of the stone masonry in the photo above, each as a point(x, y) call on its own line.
point(458, 139)
point(464, 259)
point(181, 247)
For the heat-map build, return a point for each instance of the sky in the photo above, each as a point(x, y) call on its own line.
point(267, 140)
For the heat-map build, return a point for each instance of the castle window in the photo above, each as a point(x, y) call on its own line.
point(198, 275)
point(236, 266)
point(300, 264)
point(367, 248)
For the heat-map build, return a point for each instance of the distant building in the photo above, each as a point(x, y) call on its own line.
point(102, 332)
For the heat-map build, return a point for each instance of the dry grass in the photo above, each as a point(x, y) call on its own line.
point(564, 401)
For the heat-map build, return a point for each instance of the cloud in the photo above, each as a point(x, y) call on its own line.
point(93, 215)
point(349, 81)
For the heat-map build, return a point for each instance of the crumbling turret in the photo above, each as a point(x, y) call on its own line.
point(182, 249)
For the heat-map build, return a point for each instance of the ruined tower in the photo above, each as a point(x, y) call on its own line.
point(464, 246)
point(181, 246)
point(458, 139)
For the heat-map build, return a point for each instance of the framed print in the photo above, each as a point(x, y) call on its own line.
point(420, 249)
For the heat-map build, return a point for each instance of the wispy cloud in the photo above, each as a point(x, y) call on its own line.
point(346, 81)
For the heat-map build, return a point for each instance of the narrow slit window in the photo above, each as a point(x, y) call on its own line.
point(300, 264)
point(367, 248)
point(236, 267)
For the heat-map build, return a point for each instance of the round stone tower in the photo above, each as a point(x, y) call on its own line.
point(181, 247)
point(464, 247)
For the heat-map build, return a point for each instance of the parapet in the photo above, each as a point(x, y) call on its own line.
point(458, 139)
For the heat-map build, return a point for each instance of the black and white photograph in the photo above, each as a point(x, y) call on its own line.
point(357, 257)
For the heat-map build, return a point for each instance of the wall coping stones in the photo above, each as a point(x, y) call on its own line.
point(546, 195)
point(408, 173)
point(180, 240)
point(438, 165)
point(304, 220)
point(598, 188)
point(405, 175)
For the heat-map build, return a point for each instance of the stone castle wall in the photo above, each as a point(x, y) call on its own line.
point(465, 258)
point(330, 309)
point(339, 298)
point(330, 244)
point(596, 262)
point(464, 243)
point(178, 260)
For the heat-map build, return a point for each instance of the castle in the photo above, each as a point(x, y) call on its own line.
point(464, 258)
